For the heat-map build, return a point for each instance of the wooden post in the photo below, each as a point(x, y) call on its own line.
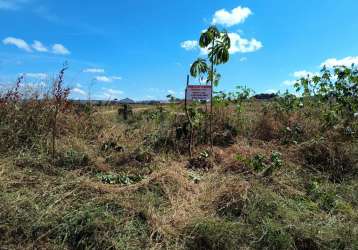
point(188, 116)
point(186, 91)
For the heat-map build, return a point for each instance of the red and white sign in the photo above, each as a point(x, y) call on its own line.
point(198, 93)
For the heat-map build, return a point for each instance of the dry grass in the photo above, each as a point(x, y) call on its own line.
point(128, 195)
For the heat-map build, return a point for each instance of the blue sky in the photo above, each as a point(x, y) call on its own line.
point(143, 49)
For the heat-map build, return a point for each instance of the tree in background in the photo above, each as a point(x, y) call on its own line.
point(337, 87)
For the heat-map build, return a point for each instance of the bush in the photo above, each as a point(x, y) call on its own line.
point(339, 160)
point(262, 164)
point(23, 125)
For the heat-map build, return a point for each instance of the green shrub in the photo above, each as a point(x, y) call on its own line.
point(326, 199)
point(260, 163)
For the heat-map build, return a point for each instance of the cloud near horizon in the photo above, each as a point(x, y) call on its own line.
point(329, 63)
point(112, 93)
point(79, 91)
point(347, 61)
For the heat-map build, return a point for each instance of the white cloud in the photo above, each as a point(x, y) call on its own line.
point(289, 82)
point(36, 86)
point(231, 18)
point(60, 49)
point(238, 45)
point(243, 45)
point(93, 70)
point(243, 59)
point(103, 79)
point(20, 43)
point(38, 46)
point(112, 93)
point(107, 78)
point(79, 91)
point(304, 73)
point(298, 75)
point(37, 75)
point(347, 61)
point(203, 51)
point(172, 92)
point(189, 45)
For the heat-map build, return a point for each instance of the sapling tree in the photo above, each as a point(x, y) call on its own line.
point(337, 87)
point(217, 43)
point(241, 94)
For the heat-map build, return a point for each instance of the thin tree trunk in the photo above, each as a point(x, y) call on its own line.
point(211, 104)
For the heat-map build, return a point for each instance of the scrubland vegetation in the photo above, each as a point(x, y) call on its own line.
point(282, 173)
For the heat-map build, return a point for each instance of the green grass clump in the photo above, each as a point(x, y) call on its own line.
point(214, 234)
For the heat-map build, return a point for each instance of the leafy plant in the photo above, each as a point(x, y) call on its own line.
point(123, 179)
point(260, 163)
point(338, 87)
point(218, 44)
point(326, 199)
